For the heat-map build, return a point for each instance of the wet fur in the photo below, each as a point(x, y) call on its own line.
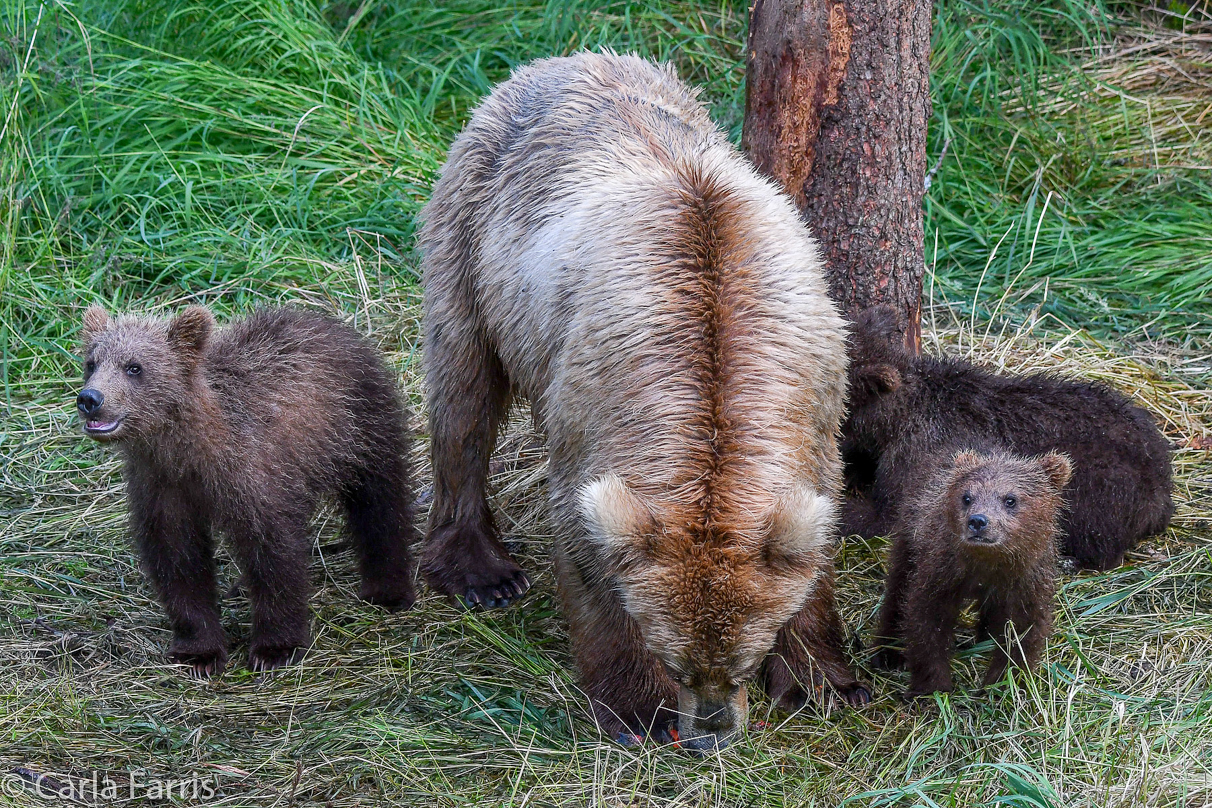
point(934, 569)
point(241, 432)
point(907, 411)
point(596, 246)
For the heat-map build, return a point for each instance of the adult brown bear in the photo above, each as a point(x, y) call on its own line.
point(597, 246)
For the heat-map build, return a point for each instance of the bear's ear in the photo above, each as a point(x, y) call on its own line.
point(801, 530)
point(872, 381)
point(966, 459)
point(619, 521)
point(96, 320)
point(189, 330)
point(1058, 467)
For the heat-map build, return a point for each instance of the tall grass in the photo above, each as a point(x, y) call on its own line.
point(226, 151)
point(1059, 182)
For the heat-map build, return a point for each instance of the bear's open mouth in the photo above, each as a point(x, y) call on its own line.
point(101, 427)
point(976, 538)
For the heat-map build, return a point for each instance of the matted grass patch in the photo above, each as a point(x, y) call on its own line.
point(437, 706)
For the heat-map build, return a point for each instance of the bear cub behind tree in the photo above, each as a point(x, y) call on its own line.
point(908, 410)
point(243, 431)
point(984, 528)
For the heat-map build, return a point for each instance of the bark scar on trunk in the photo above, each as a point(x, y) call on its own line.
point(838, 52)
point(837, 100)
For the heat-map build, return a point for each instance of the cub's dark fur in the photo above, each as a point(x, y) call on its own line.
point(242, 431)
point(906, 411)
point(983, 528)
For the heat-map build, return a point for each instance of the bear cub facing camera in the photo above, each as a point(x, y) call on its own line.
point(906, 410)
point(984, 528)
point(241, 432)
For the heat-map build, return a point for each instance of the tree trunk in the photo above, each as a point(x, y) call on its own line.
point(836, 106)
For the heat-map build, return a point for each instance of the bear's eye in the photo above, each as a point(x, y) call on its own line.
point(673, 671)
point(1011, 502)
point(133, 369)
point(967, 500)
point(89, 367)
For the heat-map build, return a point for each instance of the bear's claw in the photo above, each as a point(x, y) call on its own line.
point(856, 695)
point(203, 662)
point(202, 667)
point(261, 660)
point(472, 566)
point(498, 596)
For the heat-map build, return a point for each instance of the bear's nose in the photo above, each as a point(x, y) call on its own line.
point(713, 716)
point(89, 401)
point(978, 523)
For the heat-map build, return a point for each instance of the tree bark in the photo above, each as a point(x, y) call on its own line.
point(837, 99)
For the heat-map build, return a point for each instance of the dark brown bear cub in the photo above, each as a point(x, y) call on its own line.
point(983, 528)
point(907, 410)
point(242, 431)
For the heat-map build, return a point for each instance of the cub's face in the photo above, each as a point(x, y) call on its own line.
point(1004, 500)
point(137, 372)
point(708, 608)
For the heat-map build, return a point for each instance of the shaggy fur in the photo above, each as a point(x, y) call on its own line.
point(906, 411)
point(242, 431)
point(983, 528)
point(595, 245)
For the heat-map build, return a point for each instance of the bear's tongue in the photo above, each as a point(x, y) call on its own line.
point(100, 424)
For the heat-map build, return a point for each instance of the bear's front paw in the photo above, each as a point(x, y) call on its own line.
point(263, 658)
point(856, 694)
point(468, 563)
point(394, 596)
point(204, 659)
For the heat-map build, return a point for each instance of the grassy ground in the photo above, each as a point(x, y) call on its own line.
point(243, 152)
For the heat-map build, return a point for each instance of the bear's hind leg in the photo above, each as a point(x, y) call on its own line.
point(1027, 609)
point(379, 510)
point(463, 556)
point(808, 653)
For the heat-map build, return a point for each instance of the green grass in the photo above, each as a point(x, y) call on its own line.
point(1059, 171)
point(268, 150)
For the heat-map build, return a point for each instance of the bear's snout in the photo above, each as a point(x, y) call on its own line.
point(89, 402)
point(97, 425)
point(709, 720)
point(977, 524)
point(712, 715)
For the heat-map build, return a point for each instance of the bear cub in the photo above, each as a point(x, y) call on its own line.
point(908, 410)
point(984, 528)
point(242, 431)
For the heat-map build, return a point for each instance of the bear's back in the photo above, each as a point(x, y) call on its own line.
point(1100, 428)
point(298, 389)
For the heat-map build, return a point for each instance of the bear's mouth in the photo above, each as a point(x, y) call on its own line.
point(981, 538)
point(94, 427)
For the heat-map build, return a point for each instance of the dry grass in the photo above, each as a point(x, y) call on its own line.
point(439, 707)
